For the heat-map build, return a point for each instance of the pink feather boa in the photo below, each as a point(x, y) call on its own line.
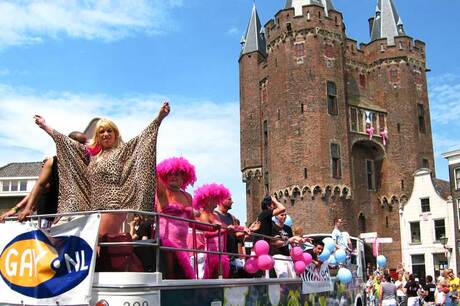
point(182, 258)
point(174, 165)
point(216, 192)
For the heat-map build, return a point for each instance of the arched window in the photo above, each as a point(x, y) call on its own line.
point(361, 223)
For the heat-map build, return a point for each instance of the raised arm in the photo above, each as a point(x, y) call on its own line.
point(41, 122)
point(13, 211)
point(279, 207)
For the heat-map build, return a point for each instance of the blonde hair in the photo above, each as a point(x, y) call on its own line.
point(105, 124)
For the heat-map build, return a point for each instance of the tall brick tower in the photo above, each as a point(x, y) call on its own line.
point(330, 128)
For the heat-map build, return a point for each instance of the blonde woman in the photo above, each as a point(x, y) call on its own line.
point(108, 174)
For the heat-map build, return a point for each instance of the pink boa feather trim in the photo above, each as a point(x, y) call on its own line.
point(174, 165)
point(182, 258)
point(93, 150)
point(218, 192)
point(211, 269)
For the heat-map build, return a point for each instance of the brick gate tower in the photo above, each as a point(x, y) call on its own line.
point(333, 129)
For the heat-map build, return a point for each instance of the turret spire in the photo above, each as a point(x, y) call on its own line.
point(254, 39)
point(297, 5)
point(387, 23)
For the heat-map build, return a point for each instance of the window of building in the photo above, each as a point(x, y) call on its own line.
point(302, 109)
point(425, 163)
point(361, 121)
point(22, 185)
point(398, 127)
point(354, 119)
point(394, 76)
point(288, 27)
point(278, 114)
point(402, 184)
point(5, 185)
point(332, 107)
point(305, 172)
point(458, 211)
point(263, 91)
point(336, 162)
point(457, 178)
point(370, 173)
point(425, 204)
point(362, 80)
point(439, 229)
point(299, 49)
point(421, 118)
point(265, 132)
point(382, 121)
point(415, 232)
point(14, 186)
point(418, 265)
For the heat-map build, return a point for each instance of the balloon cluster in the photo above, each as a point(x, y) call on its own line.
point(335, 257)
point(381, 261)
point(301, 260)
point(262, 261)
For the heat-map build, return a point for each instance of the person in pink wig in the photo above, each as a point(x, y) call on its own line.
point(205, 199)
point(174, 175)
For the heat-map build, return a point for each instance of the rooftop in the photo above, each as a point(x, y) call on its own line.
point(27, 169)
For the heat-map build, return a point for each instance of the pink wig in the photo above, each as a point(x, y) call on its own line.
point(203, 193)
point(175, 165)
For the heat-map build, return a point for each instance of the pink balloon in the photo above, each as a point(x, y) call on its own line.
point(251, 265)
point(265, 262)
point(261, 248)
point(272, 265)
point(299, 267)
point(307, 258)
point(296, 253)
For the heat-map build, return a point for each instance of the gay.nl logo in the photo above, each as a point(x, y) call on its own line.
point(40, 267)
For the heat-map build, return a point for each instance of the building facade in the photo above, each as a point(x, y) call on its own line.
point(453, 159)
point(16, 181)
point(331, 128)
point(428, 233)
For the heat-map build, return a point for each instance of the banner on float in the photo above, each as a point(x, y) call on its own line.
point(316, 279)
point(48, 267)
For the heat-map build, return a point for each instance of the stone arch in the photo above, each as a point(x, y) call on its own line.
point(337, 191)
point(384, 201)
point(346, 192)
point(327, 191)
point(394, 200)
point(295, 191)
point(317, 190)
point(306, 189)
point(280, 195)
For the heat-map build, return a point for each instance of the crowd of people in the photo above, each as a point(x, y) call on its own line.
point(407, 290)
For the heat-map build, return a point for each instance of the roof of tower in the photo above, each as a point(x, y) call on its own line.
point(387, 22)
point(297, 5)
point(254, 39)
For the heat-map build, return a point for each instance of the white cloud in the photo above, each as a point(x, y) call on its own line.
point(445, 99)
point(29, 22)
point(233, 31)
point(205, 132)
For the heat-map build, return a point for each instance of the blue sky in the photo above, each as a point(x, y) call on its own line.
point(74, 60)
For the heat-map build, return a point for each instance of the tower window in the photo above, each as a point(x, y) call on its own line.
point(305, 173)
point(278, 114)
point(289, 27)
point(398, 127)
point(332, 107)
point(299, 48)
point(265, 132)
point(421, 118)
point(370, 173)
point(336, 162)
point(302, 108)
point(354, 119)
point(362, 80)
point(263, 91)
point(425, 163)
point(402, 184)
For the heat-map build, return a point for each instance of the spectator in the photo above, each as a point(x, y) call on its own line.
point(270, 207)
point(400, 293)
point(282, 238)
point(338, 236)
point(387, 294)
point(428, 291)
point(454, 283)
point(317, 249)
point(411, 290)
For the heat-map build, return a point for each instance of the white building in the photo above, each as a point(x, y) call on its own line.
point(16, 181)
point(425, 219)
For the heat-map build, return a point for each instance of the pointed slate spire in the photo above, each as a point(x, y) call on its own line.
point(387, 22)
point(297, 5)
point(254, 39)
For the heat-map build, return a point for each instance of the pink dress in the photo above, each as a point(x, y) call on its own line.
point(211, 269)
point(173, 233)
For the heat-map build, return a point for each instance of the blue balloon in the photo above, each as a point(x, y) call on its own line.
point(381, 261)
point(340, 256)
point(329, 244)
point(324, 255)
point(332, 261)
point(344, 275)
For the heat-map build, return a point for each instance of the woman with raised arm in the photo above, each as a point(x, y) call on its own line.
point(174, 175)
point(108, 174)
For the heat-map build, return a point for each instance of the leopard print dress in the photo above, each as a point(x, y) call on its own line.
point(119, 178)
